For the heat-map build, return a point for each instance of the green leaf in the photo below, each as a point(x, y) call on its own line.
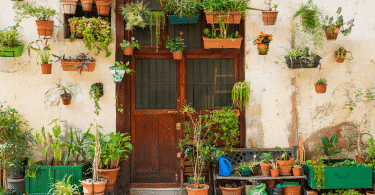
point(324, 141)
point(334, 139)
point(56, 131)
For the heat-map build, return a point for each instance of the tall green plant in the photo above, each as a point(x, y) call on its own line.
point(64, 187)
point(228, 124)
point(329, 145)
point(241, 94)
point(75, 146)
point(55, 144)
point(43, 52)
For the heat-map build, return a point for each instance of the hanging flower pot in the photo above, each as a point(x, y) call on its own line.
point(117, 73)
point(69, 6)
point(203, 190)
point(45, 28)
point(231, 17)
point(75, 66)
point(263, 41)
point(13, 51)
point(269, 17)
point(177, 55)
point(331, 33)
point(262, 49)
point(128, 51)
point(234, 43)
point(87, 5)
point(341, 58)
point(66, 98)
point(321, 86)
point(46, 68)
point(103, 7)
point(111, 174)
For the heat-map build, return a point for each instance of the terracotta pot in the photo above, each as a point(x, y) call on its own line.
point(221, 43)
point(45, 28)
point(275, 172)
point(370, 192)
point(297, 171)
point(111, 174)
point(87, 5)
point(262, 49)
point(69, 6)
point(74, 25)
point(203, 191)
point(320, 88)
point(265, 169)
point(359, 159)
point(46, 68)
point(231, 191)
point(103, 7)
point(269, 17)
point(178, 55)
point(232, 17)
point(99, 187)
point(311, 192)
point(332, 33)
point(340, 60)
point(255, 171)
point(292, 190)
point(128, 51)
point(271, 183)
point(68, 66)
point(285, 166)
point(66, 99)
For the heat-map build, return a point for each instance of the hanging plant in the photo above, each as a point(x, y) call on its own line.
point(241, 94)
point(157, 18)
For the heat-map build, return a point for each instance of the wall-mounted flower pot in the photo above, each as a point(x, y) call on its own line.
point(297, 63)
point(176, 19)
point(340, 59)
point(46, 68)
point(66, 98)
point(73, 66)
point(100, 85)
point(232, 17)
point(222, 43)
point(117, 73)
point(87, 5)
point(14, 51)
point(262, 49)
point(111, 174)
point(45, 28)
point(269, 17)
point(128, 51)
point(178, 55)
point(331, 34)
point(320, 88)
point(103, 7)
point(69, 6)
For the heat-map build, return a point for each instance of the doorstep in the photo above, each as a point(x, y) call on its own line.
point(157, 191)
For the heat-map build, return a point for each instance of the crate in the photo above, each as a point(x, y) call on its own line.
point(47, 175)
point(342, 177)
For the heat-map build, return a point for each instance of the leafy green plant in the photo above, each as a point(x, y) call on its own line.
point(298, 53)
point(228, 124)
point(319, 176)
point(241, 94)
point(329, 145)
point(175, 44)
point(266, 157)
point(75, 146)
point(95, 94)
point(96, 34)
point(285, 155)
point(348, 163)
point(343, 192)
point(31, 169)
point(42, 13)
point(65, 92)
point(9, 37)
point(243, 165)
point(340, 53)
point(63, 187)
point(134, 14)
point(368, 96)
point(132, 43)
point(329, 24)
point(227, 5)
point(55, 144)
point(182, 7)
point(43, 52)
point(321, 81)
point(221, 32)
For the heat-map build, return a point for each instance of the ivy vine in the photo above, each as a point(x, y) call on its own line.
point(157, 18)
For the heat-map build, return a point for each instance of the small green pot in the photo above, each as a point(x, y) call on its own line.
point(245, 171)
point(14, 51)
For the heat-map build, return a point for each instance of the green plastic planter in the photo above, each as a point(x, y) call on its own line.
point(245, 171)
point(47, 175)
point(15, 51)
point(342, 177)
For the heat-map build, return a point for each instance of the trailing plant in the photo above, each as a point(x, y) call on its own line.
point(228, 124)
point(75, 146)
point(175, 44)
point(43, 52)
point(82, 57)
point(321, 81)
point(269, 5)
point(132, 43)
point(10, 37)
point(343, 192)
point(340, 53)
point(182, 8)
point(329, 24)
point(328, 146)
point(42, 13)
point(284, 156)
point(359, 96)
point(134, 14)
point(264, 39)
point(157, 18)
point(241, 94)
point(95, 94)
point(319, 176)
point(266, 157)
point(223, 31)
point(298, 53)
point(64, 187)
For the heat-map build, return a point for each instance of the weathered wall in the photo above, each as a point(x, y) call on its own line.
point(275, 86)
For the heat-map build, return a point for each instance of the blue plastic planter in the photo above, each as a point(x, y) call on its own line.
point(176, 19)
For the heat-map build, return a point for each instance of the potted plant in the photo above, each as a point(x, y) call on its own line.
point(340, 55)
point(321, 85)
point(10, 45)
point(43, 14)
point(128, 46)
point(332, 28)
point(301, 58)
point(96, 92)
point(69, 6)
point(64, 187)
point(263, 41)
point(221, 40)
point(241, 94)
point(176, 46)
point(134, 14)
point(275, 171)
point(119, 69)
point(115, 148)
point(81, 63)
point(96, 34)
point(103, 7)
point(87, 5)
point(65, 93)
point(73, 27)
point(285, 163)
point(269, 16)
point(15, 142)
point(244, 168)
point(43, 54)
point(182, 12)
point(233, 188)
point(297, 169)
point(228, 125)
point(265, 164)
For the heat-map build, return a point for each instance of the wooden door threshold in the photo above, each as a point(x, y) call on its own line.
point(155, 185)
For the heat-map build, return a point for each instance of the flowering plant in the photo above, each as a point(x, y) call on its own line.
point(132, 43)
point(263, 38)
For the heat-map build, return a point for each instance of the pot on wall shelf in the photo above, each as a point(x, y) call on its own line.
point(69, 6)
point(340, 59)
point(87, 5)
point(231, 17)
point(275, 172)
point(177, 55)
point(297, 171)
point(117, 73)
point(332, 33)
point(266, 169)
point(103, 7)
point(45, 28)
point(263, 49)
point(269, 17)
point(234, 43)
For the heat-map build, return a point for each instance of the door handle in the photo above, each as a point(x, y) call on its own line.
point(172, 112)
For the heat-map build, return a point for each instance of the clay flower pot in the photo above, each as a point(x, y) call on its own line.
point(87, 5)
point(111, 174)
point(69, 6)
point(297, 171)
point(99, 186)
point(320, 88)
point(177, 55)
point(269, 17)
point(331, 34)
point(255, 171)
point(45, 28)
point(340, 59)
point(66, 98)
point(103, 7)
point(370, 193)
point(285, 166)
point(262, 49)
point(231, 191)
point(359, 159)
point(221, 43)
point(46, 68)
point(275, 172)
point(265, 169)
point(231, 17)
point(293, 190)
point(203, 191)
point(271, 183)
point(128, 51)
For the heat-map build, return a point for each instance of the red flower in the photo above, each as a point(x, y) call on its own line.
point(181, 33)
